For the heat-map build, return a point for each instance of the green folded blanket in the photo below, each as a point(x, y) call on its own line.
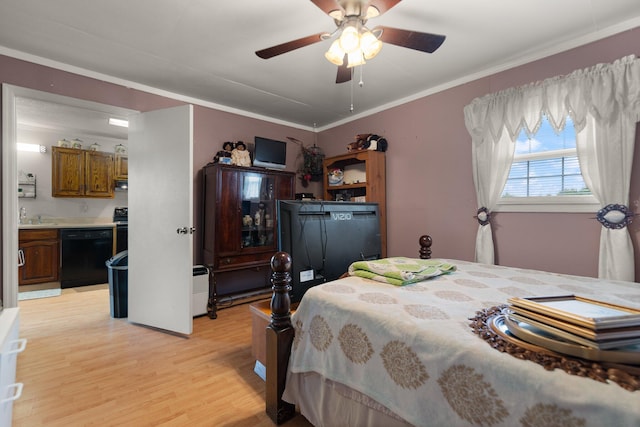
point(400, 271)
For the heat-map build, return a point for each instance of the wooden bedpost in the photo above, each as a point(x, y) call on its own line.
point(279, 339)
point(425, 246)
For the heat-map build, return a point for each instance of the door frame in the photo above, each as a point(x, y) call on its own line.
point(10, 174)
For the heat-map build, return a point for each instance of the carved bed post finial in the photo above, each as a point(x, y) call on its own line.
point(279, 339)
point(425, 246)
point(281, 285)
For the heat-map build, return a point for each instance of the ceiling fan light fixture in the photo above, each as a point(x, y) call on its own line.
point(355, 58)
point(337, 14)
point(335, 54)
point(369, 44)
point(350, 38)
point(372, 12)
point(355, 41)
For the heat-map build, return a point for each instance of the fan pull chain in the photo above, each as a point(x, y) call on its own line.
point(361, 82)
point(351, 109)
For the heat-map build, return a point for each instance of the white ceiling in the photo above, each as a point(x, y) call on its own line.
point(40, 112)
point(204, 50)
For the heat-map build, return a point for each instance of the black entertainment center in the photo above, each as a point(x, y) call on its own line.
point(324, 238)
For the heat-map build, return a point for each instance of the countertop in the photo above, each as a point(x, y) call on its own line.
point(33, 223)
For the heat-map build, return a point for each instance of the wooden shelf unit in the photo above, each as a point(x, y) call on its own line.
point(371, 190)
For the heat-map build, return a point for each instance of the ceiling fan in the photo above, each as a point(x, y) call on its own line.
point(356, 43)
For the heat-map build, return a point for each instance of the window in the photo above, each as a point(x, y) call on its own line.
point(251, 187)
point(545, 174)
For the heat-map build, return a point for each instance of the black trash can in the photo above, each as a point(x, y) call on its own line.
point(118, 266)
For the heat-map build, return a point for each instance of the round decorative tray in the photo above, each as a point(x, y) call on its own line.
point(498, 325)
point(629, 356)
point(490, 324)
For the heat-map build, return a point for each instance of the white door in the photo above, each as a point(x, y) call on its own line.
point(160, 272)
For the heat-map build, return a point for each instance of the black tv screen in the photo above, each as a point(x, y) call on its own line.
point(324, 238)
point(269, 153)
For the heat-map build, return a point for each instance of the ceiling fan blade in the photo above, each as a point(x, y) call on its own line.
point(416, 40)
point(344, 73)
point(270, 52)
point(327, 5)
point(383, 5)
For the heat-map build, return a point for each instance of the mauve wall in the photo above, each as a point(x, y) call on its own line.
point(429, 178)
point(429, 181)
point(211, 127)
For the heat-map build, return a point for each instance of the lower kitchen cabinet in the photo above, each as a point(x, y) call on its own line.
point(40, 250)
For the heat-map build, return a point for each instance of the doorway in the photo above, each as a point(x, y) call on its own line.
point(34, 116)
point(162, 140)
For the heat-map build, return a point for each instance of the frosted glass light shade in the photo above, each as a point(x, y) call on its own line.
point(355, 59)
point(349, 39)
point(370, 45)
point(335, 54)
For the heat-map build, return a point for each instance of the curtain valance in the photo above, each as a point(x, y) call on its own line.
point(603, 90)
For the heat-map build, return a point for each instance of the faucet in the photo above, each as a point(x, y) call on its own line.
point(23, 214)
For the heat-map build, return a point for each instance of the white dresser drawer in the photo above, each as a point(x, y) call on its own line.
point(10, 346)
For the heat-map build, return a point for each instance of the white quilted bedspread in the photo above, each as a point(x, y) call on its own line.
point(411, 349)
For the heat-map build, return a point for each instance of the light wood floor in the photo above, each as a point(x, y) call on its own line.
point(83, 368)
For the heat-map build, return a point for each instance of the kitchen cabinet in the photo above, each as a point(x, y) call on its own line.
point(364, 180)
point(81, 173)
point(121, 166)
point(240, 226)
point(40, 250)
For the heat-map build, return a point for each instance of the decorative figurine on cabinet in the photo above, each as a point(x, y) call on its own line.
point(259, 217)
point(259, 220)
point(368, 141)
point(240, 156)
point(336, 177)
point(376, 143)
point(224, 155)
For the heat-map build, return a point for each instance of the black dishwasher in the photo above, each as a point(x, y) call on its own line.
point(84, 252)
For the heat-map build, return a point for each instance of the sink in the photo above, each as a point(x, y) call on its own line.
point(39, 225)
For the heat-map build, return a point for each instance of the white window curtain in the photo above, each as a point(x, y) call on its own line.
point(604, 103)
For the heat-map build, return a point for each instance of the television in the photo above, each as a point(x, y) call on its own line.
point(269, 153)
point(324, 238)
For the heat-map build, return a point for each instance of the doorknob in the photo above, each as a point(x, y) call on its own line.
point(183, 230)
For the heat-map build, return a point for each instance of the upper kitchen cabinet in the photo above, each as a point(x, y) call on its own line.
point(81, 173)
point(122, 166)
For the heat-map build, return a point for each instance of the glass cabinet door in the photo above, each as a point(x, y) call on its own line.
point(258, 210)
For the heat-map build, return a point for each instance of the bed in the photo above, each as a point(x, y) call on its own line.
point(358, 352)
